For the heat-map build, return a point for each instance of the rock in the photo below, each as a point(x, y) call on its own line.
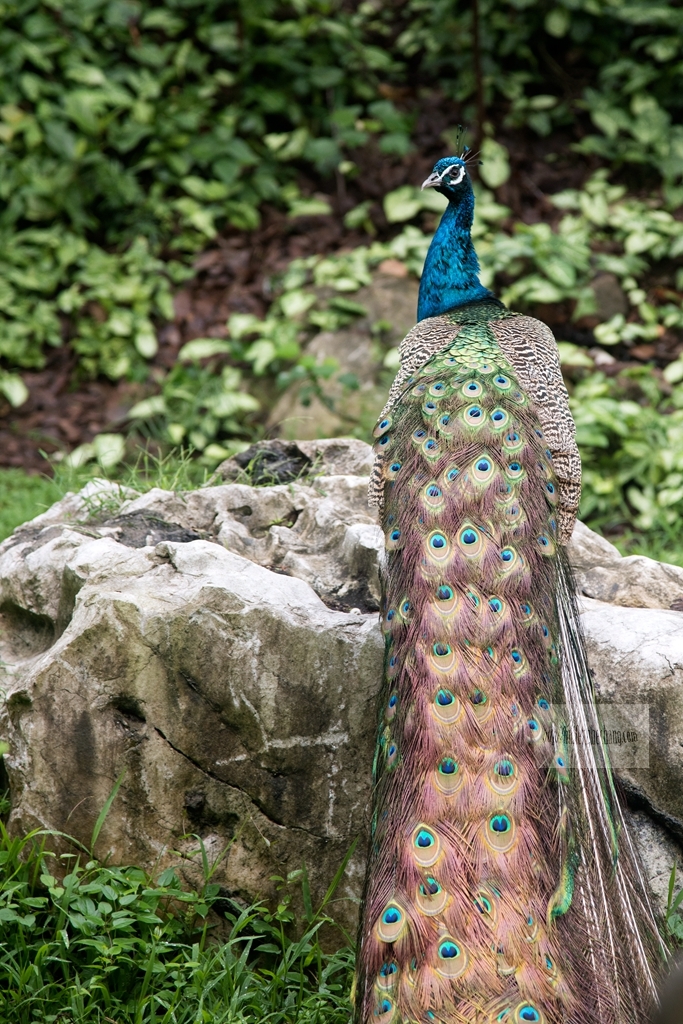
point(282, 461)
point(610, 298)
point(636, 657)
point(235, 701)
point(269, 462)
point(357, 390)
point(660, 855)
point(222, 647)
point(633, 581)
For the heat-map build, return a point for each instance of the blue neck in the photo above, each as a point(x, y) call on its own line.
point(451, 272)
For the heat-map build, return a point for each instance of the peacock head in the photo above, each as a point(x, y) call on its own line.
point(450, 177)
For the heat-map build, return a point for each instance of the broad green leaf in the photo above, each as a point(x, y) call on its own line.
point(109, 451)
point(13, 388)
point(402, 204)
point(309, 208)
point(202, 348)
point(495, 163)
point(147, 408)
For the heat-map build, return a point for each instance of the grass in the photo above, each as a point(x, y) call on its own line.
point(82, 942)
point(662, 545)
point(24, 496)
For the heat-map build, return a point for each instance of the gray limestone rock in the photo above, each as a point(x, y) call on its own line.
point(610, 298)
point(633, 581)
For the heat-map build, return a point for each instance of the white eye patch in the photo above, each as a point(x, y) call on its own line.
point(458, 176)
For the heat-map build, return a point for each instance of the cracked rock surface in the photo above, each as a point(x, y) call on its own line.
point(222, 647)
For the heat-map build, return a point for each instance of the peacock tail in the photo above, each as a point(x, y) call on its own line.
point(501, 883)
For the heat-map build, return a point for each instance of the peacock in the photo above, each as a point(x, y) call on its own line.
point(502, 884)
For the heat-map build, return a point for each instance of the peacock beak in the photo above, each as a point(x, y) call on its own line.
point(432, 181)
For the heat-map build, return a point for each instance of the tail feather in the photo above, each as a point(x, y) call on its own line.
point(498, 838)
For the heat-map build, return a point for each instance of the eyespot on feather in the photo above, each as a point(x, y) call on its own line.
point(438, 547)
point(504, 492)
point(528, 614)
point(383, 444)
point(431, 898)
point(446, 599)
point(446, 708)
point(432, 496)
point(452, 958)
point(534, 732)
point(499, 419)
point(385, 1011)
point(393, 540)
point(531, 929)
point(426, 846)
point(513, 513)
point(471, 389)
point(509, 558)
point(500, 832)
point(390, 620)
point(392, 707)
point(470, 541)
point(388, 975)
point(486, 903)
point(503, 778)
point(549, 968)
point(431, 448)
point(483, 469)
point(481, 705)
point(446, 424)
point(392, 923)
point(545, 544)
point(519, 662)
point(527, 1013)
point(382, 427)
point(473, 416)
point(449, 776)
point(442, 657)
point(513, 441)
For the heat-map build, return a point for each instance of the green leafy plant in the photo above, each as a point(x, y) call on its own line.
point(630, 433)
point(132, 131)
point(97, 943)
point(673, 916)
